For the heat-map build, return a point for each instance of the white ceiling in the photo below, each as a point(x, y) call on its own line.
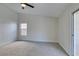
point(43, 9)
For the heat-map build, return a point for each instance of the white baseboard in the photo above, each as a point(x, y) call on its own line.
point(64, 50)
point(37, 41)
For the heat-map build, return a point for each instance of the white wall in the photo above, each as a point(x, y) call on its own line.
point(8, 25)
point(39, 28)
point(66, 29)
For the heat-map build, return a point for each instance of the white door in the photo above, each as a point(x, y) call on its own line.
point(76, 33)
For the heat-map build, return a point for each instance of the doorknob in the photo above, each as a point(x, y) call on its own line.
point(72, 34)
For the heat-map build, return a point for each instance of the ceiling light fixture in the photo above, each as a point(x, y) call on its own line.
point(23, 5)
point(26, 4)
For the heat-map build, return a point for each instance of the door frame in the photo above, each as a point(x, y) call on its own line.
point(73, 34)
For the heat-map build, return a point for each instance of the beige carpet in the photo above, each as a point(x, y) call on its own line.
point(21, 48)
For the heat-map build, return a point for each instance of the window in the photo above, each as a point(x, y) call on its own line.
point(23, 28)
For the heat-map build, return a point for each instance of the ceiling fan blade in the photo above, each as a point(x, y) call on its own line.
point(29, 5)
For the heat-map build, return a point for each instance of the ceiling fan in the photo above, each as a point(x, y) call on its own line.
point(26, 4)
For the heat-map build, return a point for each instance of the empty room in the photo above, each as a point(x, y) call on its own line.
point(37, 29)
